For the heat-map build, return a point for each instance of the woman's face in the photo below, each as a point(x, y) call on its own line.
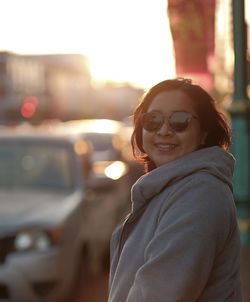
point(165, 145)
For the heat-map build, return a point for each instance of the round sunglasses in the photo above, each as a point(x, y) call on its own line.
point(178, 121)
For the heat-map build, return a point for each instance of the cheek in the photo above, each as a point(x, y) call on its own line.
point(195, 140)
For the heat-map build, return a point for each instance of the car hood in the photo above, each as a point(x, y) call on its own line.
point(35, 208)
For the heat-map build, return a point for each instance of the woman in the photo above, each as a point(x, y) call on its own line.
point(181, 240)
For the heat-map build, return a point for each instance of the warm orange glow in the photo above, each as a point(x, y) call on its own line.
point(82, 147)
point(125, 40)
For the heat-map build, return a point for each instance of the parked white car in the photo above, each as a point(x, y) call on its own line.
point(42, 200)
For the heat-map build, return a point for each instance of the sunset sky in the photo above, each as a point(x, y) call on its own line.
point(125, 40)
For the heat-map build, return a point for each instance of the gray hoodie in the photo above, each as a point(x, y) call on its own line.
point(181, 240)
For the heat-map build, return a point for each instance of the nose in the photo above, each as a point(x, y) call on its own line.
point(165, 130)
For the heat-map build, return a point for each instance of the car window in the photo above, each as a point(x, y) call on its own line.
point(35, 166)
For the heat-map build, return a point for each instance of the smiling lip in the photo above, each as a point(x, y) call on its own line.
point(165, 146)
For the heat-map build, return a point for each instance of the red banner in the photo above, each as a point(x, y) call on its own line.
point(192, 23)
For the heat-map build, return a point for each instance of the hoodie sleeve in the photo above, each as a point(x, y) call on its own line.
point(189, 236)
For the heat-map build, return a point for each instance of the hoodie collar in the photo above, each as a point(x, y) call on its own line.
point(213, 160)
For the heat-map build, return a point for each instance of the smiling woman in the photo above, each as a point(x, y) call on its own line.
point(124, 40)
point(180, 241)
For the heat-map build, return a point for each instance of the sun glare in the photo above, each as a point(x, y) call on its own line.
point(95, 126)
point(125, 40)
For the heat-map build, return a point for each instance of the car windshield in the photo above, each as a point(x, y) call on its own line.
point(104, 147)
point(37, 166)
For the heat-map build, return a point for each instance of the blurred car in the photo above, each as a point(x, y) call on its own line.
point(106, 141)
point(109, 184)
point(42, 197)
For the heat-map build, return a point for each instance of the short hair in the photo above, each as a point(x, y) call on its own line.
point(212, 121)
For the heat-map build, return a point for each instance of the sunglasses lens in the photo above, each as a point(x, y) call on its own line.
point(152, 121)
point(179, 121)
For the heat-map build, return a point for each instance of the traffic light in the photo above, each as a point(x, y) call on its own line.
point(29, 107)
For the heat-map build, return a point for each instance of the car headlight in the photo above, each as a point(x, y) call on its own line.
point(116, 170)
point(36, 240)
point(111, 169)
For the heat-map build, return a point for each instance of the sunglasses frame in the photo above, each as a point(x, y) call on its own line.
point(167, 119)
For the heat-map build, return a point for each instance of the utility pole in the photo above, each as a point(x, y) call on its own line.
point(240, 113)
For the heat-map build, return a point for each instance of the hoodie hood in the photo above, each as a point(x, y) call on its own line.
point(212, 160)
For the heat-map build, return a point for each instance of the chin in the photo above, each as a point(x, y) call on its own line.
point(166, 160)
point(161, 163)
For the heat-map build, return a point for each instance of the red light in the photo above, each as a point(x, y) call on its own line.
point(29, 107)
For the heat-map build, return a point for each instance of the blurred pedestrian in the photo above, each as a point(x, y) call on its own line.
point(181, 239)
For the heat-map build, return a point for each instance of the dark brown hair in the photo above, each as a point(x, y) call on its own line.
point(213, 122)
